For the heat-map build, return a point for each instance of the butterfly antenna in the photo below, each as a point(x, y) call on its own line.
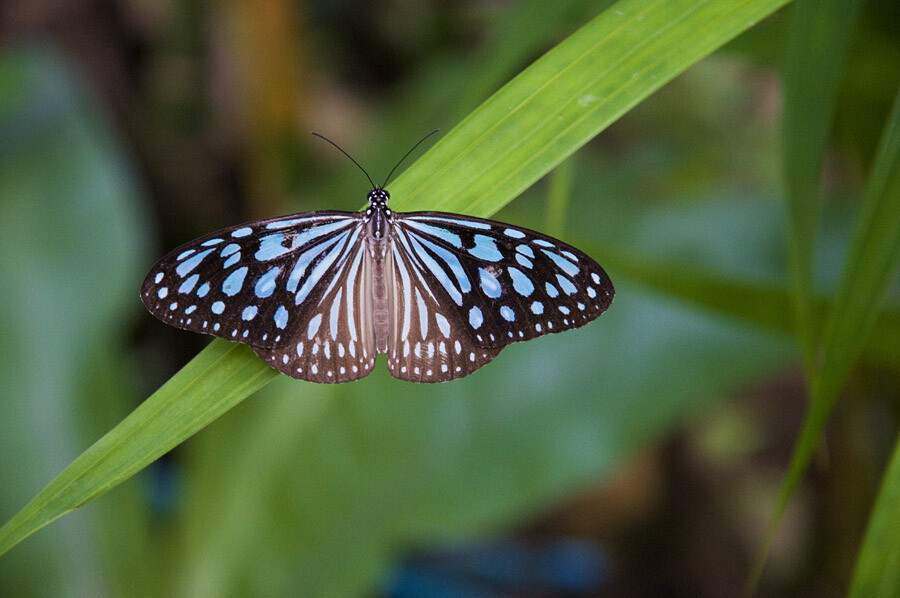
point(406, 155)
point(374, 186)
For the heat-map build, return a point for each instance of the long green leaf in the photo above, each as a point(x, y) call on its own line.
point(870, 269)
point(816, 53)
point(878, 563)
point(515, 137)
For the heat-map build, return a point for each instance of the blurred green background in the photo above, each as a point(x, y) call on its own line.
point(640, 455)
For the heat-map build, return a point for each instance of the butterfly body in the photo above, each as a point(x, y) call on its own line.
point(318, 295)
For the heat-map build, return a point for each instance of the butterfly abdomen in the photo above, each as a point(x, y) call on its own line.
point(381, 315)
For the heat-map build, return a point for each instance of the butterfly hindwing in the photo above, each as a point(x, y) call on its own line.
point(502, 283)
point(428, 342)
point(336, 341)
point(256, 283)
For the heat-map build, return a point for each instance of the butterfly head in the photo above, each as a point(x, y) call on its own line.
point(378, 197)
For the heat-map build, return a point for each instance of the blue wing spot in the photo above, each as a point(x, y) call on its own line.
point(489, 284)
point(525, 250)
point(515, 234)
point(191, 263)
point(508, 314)
point(569, 255)
point(173, 306)
point(591, 292)
point(543, 243)
point(203, 290)
point(234, 282)
point(188, 285)
point(551, 290)
point(218, 307)
point(524, 261)
point(443, 324)
point(435, 231)
point(241, 232)
point(564, 309)
point(210, 242)
point(159, 276)
point(563, 264)
point(235, 258)
point(521, 283)
point(161, 293)
point(476, 319)
point(314, 326)
point(537, 308)
point(566, 285)
point(486, 249)
point(265, 286)
point(190, 309)
point(460, 222)
point(271, 247)
point(281, 317)
point(229, 249)
point(595, 277)
point(249, 313)
point(184, 254)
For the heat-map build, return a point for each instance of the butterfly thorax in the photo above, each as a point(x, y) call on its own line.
point(378, 213)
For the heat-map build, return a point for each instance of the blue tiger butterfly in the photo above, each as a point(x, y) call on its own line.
point(318, 295)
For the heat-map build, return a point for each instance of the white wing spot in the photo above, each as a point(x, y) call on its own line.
point(314, 369)
point(300, 349)
point(159, 276)
point(458, 347)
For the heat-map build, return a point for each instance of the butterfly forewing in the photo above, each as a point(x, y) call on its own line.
point(428, 341)
point(257, 283)
point(502, 283)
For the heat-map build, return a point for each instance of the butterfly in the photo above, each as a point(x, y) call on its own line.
point(318, 295)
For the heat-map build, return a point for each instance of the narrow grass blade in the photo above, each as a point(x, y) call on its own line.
point(878, 562)
point(216, 380)
point(816, 54)
point(871, 267)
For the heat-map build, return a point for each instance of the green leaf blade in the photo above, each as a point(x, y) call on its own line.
point(815, 57)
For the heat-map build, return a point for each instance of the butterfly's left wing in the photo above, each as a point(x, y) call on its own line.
point(498, 284)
